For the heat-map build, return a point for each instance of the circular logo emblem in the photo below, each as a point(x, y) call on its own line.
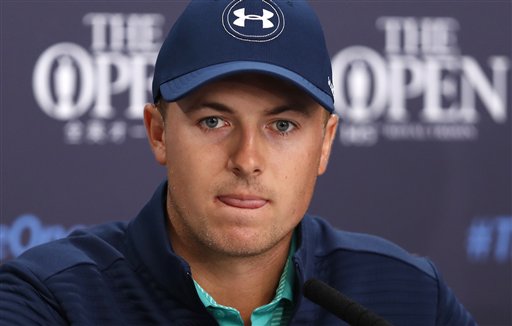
point(253, 21)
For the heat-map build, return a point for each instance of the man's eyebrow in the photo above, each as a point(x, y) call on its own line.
point(301, 109)
point(209, 105)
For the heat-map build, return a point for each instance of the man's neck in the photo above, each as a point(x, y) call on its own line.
point(243, 283)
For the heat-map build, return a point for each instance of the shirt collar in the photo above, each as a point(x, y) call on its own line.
point(284, 289)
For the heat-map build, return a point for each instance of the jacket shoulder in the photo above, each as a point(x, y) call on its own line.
point(331, 240)
point(99, 245)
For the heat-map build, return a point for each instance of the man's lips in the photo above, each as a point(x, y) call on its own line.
point(243, 201)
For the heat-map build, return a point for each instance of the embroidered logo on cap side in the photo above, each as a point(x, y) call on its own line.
point(253, 21)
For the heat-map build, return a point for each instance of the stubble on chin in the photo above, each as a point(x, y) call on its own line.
point(198, 233)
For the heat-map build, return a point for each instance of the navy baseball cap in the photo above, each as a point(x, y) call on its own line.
point(217, 38)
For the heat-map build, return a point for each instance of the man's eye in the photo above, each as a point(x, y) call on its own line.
point(213, 122)
point(283, 126)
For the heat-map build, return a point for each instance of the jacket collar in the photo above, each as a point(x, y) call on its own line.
point(148, 234)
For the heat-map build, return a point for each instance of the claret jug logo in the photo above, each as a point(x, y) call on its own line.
point(253, 21)
point(423, 88)
point(79, 86)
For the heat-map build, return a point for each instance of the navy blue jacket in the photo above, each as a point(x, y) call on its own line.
point(127, 274)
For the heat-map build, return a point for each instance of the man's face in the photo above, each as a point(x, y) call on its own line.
point(242, 156)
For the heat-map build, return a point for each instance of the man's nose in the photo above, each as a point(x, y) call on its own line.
point(246, 155)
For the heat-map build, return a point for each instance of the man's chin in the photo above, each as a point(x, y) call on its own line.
point(241, 247)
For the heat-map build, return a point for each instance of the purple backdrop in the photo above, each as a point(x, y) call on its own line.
point(423, 156)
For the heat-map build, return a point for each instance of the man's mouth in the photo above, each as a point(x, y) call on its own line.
point(243, 201)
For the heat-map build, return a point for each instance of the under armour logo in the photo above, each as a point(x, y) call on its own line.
point(242, 17)
point(264, 28)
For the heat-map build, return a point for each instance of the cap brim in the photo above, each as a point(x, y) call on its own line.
point(177, 88)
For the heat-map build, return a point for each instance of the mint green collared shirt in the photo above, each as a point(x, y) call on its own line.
point(277, 312)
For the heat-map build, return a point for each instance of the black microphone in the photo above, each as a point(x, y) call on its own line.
point(338, 304)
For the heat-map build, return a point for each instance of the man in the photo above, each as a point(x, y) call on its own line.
point(243, 121)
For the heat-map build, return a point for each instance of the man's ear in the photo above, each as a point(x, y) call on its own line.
point(330, 132)
point(155, 130)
